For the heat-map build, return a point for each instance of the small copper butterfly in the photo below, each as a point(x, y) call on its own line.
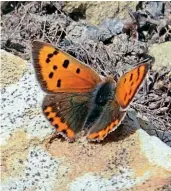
point(78, 98)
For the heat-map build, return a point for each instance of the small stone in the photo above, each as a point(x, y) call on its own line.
point(164, 109)
point(154, 105)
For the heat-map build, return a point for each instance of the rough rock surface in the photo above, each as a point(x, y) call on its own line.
point(96, 12)
point(162, 55)
point(129, 159)
point(14, 69)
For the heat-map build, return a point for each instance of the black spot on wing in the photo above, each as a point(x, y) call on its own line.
point(51, 119)
point(124, 80)
point(55, 67)
point(47, 60)
point(51, 75)
point(55, 52)
point(138, 73)
point(64, 131)
point(66, 63)
point(59, 83)
point(50, 55)
point(78, 71)
point(131, 76)
point(130, 91)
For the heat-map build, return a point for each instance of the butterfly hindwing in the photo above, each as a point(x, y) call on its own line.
point(66, 112)
point(129, 84)
point(107, 122)
point(57, 71)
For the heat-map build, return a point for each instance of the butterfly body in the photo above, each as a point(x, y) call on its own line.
point(77, 98)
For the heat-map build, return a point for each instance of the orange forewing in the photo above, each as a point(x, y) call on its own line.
point(59, 72)
point(129, 83)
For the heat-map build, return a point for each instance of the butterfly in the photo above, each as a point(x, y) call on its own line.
point(78, 98)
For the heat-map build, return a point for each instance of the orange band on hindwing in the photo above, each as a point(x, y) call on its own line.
point(103, 133)
point(56, 121)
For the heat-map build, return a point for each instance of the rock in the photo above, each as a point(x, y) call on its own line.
point(21, 99)
point(79, 32)
point(76, 32)
point(12, 68)
point(128, 159)
point(154, 105)
point(106, 30)
point(161, 53)
point(155, 8)
point(96, 12)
